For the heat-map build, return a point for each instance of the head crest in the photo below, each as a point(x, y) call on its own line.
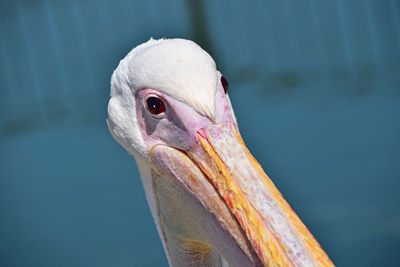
point(177, 67)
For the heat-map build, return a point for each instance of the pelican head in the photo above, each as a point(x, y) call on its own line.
point(211, 201)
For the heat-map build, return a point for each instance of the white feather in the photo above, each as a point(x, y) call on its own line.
point(177, 67)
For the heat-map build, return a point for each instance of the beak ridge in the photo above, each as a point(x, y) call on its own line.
point(276, 233)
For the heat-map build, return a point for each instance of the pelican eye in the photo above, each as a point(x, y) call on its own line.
point(155, 105)
point(224, 83)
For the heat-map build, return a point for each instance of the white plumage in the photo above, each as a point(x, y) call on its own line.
point(208, 196)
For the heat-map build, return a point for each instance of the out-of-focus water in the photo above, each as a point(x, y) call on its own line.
point(316, 90)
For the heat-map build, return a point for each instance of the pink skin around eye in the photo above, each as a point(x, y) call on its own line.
point(223, 106)
point(178, 125)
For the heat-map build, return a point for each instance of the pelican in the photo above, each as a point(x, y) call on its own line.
point(211, 201)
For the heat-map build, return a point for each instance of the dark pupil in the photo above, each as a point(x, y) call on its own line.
point(224, 84)
point(155, 105)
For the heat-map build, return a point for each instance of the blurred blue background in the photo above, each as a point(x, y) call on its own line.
point(316, 90)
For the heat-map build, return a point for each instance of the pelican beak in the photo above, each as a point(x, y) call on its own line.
point(275, 232)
